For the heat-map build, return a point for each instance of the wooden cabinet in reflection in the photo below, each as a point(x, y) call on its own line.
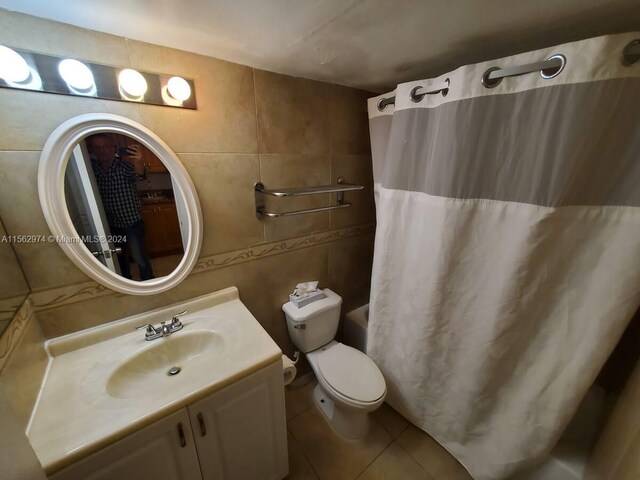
point(161, 229)
point(151, 162)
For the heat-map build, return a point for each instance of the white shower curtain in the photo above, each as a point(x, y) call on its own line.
point(507, 252)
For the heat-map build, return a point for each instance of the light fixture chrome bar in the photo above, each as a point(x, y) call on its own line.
point(45, 76)
point(261, 212)
point(296, 192)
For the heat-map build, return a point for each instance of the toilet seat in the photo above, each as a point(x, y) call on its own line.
point(351, 374)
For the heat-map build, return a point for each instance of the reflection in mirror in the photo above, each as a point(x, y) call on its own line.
point(122, 202)
point(13, 286)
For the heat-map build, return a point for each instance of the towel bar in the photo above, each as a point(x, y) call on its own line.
point(338, 188)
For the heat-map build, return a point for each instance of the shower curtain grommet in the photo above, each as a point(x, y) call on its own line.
point(548, 73)
point(490, 83)
point(383, 103)
point(631, 53)
point(445, 91)
point(416, 98)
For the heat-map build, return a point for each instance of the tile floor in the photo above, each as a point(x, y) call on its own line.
point(392, 450)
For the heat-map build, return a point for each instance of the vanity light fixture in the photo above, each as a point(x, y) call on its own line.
point(179, 88)
point(40, 72)
point(14, 69)
point(132, 84)
point(78, 77)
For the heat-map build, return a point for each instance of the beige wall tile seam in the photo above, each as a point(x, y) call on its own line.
point(11, 336)
point(331, 137)
point(48, 299)
point(21, 151)
point(126, 44)
point(255, 104)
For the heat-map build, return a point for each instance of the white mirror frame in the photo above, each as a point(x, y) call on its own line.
point(51, 173)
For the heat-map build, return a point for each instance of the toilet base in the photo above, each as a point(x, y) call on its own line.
point(349, 423)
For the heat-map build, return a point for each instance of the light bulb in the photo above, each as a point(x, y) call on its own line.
point(77, 75)
point(132, 82)
point(13, 68)
point(179, 88)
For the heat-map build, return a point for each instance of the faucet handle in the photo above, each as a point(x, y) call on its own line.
point(175, 320)
point(151, 330)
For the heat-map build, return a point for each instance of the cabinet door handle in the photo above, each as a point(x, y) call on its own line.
point(183, 440)
point(203, 427)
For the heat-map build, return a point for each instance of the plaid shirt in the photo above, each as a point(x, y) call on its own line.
point(118, 191)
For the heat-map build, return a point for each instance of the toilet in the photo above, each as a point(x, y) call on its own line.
point(350, 385)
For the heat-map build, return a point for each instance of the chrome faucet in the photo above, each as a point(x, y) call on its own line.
point(164, 330)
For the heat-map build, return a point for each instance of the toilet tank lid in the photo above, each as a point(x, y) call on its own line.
point(331, 300)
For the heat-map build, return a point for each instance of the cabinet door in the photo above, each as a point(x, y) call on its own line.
point(153, 238)
point(156, 452)
point(168, 214)
point(241, 431)
point(153, 163)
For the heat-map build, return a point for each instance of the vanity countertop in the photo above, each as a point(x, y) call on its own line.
point(81, 409)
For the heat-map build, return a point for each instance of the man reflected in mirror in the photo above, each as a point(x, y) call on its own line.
point(116, 173)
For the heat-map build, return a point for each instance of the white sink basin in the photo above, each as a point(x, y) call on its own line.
point(164, 363)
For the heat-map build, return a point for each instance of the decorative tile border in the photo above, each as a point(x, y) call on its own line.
point(68, 294)
point(11, 335)
point(9, 307)
point(275, 248)
point(56, 297)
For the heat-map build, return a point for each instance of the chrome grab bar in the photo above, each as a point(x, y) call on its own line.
point(295, 192)
point(262, 212)
point(338, 188)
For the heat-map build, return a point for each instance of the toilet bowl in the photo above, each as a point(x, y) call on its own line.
point(350, 384)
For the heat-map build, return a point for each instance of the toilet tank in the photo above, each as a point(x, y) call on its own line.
point(314, 325)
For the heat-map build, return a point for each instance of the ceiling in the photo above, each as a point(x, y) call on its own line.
point(370, 44)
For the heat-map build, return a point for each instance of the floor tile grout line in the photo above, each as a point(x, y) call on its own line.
point(301, 448)
point(311, 464)
point(403, 429)
point(299, 413)
point(414, 458)
point(386, 447)
point(390, 432)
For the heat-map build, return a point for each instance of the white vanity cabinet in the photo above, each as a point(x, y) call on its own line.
point(240, 432)
point(155, 452)
point(237, 433)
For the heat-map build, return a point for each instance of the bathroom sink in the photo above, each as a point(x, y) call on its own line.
point(106, 382)
point(165, 364)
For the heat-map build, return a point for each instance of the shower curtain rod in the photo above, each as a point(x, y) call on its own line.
point(548, 68)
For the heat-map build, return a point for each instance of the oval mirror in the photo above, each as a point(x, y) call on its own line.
point(120, 203)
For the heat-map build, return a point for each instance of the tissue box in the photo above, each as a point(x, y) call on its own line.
point(306, 298)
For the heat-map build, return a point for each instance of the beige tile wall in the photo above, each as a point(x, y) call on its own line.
point(23, 361)
point(13, 286)
point(250, 126)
